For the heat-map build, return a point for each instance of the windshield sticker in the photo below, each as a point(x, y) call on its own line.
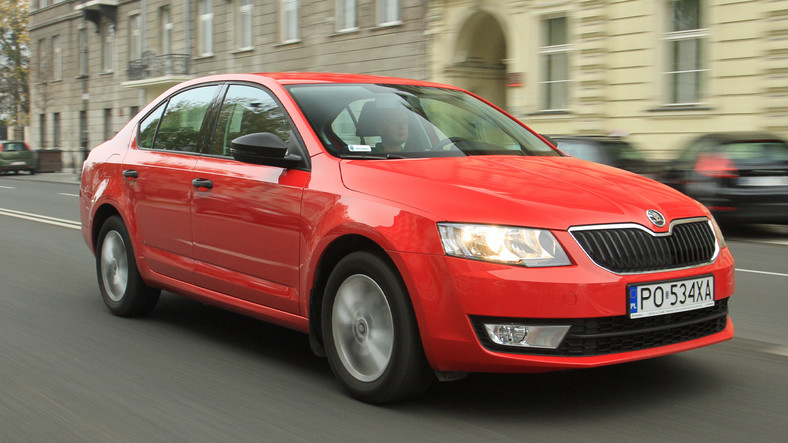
point(359, 148)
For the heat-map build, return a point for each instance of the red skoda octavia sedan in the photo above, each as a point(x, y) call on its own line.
point(413, 230)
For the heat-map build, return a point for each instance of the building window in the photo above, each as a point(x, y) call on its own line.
point(56, 129)
point(83, 51)
point(83, 129)
point(388, 12)
point(108, 50)
point(206, 27)
point(685, 65)
point(108, 124)
point(289, 20)
point(245, 24)
point(346, 15)
point(166, 31)
point(42, 61)
point(57, 59)
point(42, 130)
point(135, 37)
point(555, 63)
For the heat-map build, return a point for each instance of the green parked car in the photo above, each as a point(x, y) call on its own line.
point(16, 156)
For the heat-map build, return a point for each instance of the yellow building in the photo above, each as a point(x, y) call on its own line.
point(660, 71)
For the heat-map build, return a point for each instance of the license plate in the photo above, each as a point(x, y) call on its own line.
point(661, 298)
point(19, 163)
point(763, 181)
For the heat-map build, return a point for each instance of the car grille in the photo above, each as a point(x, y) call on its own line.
point(629, 249)
point(608, 335)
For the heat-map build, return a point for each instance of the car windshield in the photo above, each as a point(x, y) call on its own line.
point(374, 121)
point(757, 152)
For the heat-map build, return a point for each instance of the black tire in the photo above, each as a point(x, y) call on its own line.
point(121, 286)
point(367, 312)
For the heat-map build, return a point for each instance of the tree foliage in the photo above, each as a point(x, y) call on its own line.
point(14, 62)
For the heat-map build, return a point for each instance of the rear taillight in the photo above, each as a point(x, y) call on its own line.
point(716, 165)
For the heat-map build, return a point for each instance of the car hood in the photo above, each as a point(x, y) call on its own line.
point(543, 192)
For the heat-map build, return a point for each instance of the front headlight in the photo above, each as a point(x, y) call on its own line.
point(502, 244)
point(718, 232)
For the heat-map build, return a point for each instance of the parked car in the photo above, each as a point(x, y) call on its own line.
point(608, 150)
point(16, 156)
point(411, 229)
point(742, 177)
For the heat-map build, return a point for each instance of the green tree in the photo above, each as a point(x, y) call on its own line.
point(14, 62)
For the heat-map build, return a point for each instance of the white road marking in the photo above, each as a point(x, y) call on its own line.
point(7, 187)
point(778, 350)
point(67, 194)
point(778, 274)
point(41, 219)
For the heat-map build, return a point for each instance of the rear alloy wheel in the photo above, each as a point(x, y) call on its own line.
point(371, 336)
point(121, 286)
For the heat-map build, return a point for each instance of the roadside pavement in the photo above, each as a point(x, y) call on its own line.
point(50, 177)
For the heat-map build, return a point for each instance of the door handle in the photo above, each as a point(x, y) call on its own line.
point(203, 183)
point(130, 173)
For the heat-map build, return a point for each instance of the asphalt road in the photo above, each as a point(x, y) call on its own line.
point(70, 371)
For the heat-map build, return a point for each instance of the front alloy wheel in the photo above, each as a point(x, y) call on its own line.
point(370, 332)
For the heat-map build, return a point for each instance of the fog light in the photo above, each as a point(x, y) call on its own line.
point(526, 336)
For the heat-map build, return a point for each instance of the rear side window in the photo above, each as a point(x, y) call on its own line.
point(248, 110)
point(176, 126)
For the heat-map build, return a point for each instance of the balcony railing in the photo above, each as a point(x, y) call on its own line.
point(153, 66)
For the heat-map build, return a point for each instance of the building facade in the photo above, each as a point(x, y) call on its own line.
point(95, 63)
point(659, 71)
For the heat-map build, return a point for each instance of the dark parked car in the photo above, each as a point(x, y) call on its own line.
point(16, 156)
point(739, 176)
point(608, 150)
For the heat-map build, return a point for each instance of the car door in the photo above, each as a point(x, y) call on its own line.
point(158, 174)
point(246, 219)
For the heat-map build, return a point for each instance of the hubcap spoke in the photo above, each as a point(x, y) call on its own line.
point(363, 328)
point(114, 266)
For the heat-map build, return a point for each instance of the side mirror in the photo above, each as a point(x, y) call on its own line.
point(263, 148)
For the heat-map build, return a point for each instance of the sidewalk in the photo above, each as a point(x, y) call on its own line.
point(49, 177)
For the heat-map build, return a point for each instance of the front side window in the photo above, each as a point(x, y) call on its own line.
point(289, 20)
point(555, 62)
point(346, 15)
point(206, 27)
point(245, 24)
point(176, 126)
point(388, 12)
point(398, 121)
point(248, 110)
point(685, 41)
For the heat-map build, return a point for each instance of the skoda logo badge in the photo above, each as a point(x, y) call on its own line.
point(656, 218)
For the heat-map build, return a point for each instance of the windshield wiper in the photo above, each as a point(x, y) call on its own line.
point(371, 156)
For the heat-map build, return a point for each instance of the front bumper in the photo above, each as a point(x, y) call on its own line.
point(451, 296)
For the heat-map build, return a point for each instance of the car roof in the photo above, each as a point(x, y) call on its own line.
point(293, 78)
point(732, 137)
